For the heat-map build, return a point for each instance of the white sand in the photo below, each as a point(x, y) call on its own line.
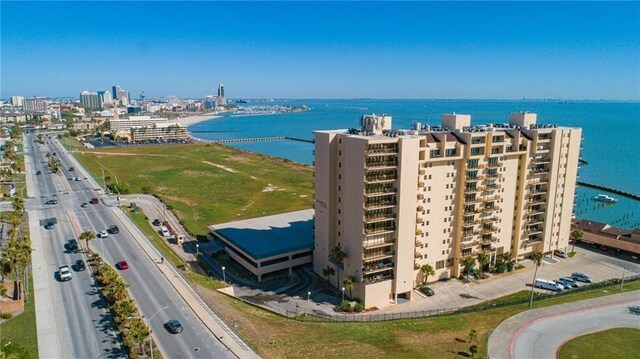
point(191, 120)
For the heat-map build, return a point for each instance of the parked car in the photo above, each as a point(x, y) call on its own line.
point(570, 282)
point(113, 229)
point(51, 201)
point(122, 265)
point(103, 234)
point(427, 291)
point(548, 284)
point(156, 222)
point(65, 273)
point(561, 254)
point(38, 172)
point(71, 169)
point(581, 277)
point(94, 200)
point(80, 265)
point(50, 225)
point(173, 326)
point(72, 245)
point(84, 205)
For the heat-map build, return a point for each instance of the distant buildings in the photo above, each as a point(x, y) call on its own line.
point(34, 104)
point(90, 100)
point(393, 201)
point(221, 100)
point(121, 96)
point(145, 128)
point(17, 101)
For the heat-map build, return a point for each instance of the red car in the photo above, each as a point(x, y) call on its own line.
point(94, 200)
point(122, 265)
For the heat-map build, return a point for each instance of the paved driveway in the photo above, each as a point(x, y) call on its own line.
point(540, 333)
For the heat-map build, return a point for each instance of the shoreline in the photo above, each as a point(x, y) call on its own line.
point(192, 120)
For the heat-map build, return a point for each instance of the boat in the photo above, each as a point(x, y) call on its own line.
point(604, 198)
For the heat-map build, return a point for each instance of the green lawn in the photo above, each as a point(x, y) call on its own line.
point(206, 184)
point(619, 343)
point(21, 330)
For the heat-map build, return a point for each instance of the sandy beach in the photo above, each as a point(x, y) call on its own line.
point(192, 120)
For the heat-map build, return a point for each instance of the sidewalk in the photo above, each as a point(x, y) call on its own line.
point(215, 324)
point(502, 339)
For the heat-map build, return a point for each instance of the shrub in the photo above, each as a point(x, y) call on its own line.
point(5, 315)
point(354, 306)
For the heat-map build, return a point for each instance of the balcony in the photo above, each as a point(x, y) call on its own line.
point(474, 178)
point(421, 172)
point(381, 164)
point(420, 184)
point(420, 196)
point(419, 220)
point(379, 217)
point(418, 231)
point(377, 256)
point(416, 266)
point(419, 244)
point(540, 170)
point(469, 244)
point(419, 209)
point(380, 190)
point(380, 202)
point(472, 210)
point(534, 230)
point(378, 176)
point(475, 166)
point(379, 230)
point(488, 230)
point(541, 159)
point(534, 221)
point(489, 239)
point(494, 164)
point(536, 210)
point(492, 198)
point(487, 209)
point(377, 244)
point(378, 278)
point(472, 200)
point(469, 190)
point(536, 201)
point(488, 219)
point(494, 175)
point(387, 150)
point(417, 255)
point(535, 191)
point(491, 186)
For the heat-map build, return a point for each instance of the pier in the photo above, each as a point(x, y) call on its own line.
point(612, 190)
point(260, 139)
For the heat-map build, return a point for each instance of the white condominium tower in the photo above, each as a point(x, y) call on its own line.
point(395, 200)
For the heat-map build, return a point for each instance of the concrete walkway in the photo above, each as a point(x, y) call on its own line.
point(539, 333)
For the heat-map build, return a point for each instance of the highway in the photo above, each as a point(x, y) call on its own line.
point(151, 290)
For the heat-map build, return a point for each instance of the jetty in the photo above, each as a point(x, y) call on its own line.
point(608, 189)
point(260, 139)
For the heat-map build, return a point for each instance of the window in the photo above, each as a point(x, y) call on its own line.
point(440, 264)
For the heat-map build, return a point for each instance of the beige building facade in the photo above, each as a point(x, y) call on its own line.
point(395, 200)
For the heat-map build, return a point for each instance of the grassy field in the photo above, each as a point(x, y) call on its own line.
point(21, 330)
point(206, 184)
point(439, 337)
point(619, 343)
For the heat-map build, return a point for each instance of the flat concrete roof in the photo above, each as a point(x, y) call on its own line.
point(269, 236)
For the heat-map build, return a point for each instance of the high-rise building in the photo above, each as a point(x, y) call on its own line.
point(90, 100)
point(220, 99)
point(105, 97)
point(120, 96)
point(17, 101)
point(221, 90)
point(34, 104)
point(393, 201)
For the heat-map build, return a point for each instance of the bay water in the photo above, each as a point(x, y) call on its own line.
point(610, 129)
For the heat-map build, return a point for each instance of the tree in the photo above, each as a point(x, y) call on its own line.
point(537, 260)
point(508, 259)
point(468, 263)
point(18, 204)
point(87, 236)
point(139, 333)
point(575, 235)
point(117, 290)
point(349, 282)
point(483, 261)
point(328, 272)
point(124, 309)
point(426, 270)
point(3, 291)
point(472, 335)
point(337, 256)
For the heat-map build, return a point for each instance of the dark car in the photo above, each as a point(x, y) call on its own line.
point(80, 265)
point(94, 200)
point(51, 201)
point(427, 291)
point(84, 205)
point(113, 229)
point(156, 222)
point(71, 169)
point(38, 172)
point(50, 225)
point(72, 245)
point(173, 326)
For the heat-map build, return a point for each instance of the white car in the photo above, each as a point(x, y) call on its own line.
point(103, 234)
point(65, 273)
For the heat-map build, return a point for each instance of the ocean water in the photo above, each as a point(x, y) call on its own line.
point(610, 131)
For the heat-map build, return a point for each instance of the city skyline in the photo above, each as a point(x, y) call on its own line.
point(581, 51)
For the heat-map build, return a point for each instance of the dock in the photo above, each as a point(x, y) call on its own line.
point(608, 189)
point(260, 139)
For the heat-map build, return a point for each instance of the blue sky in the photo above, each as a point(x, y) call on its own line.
point(323, 50)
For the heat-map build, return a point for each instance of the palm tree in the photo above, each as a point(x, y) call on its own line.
point(139, 333)
point(87, 236)
point(328, 272)
point(118, 290)
point(426, 270)
point(468, 263)
point(508, 259)
point(124, 309)
point(483, 260)
point(18, 204)
point(337, 256)
point(349, 282)
point(575, 235)
point(537, 259)
point(107, 275)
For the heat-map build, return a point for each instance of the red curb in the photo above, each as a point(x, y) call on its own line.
point(524, 326)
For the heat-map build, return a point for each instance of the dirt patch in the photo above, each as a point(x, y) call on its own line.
point(262, 298)
point(231, 170)
point(192, 174)
point(186, 201)
point(8, 305)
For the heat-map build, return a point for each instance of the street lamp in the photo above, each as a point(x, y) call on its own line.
point(224, 277)
point(308, 295)
point(150, 338)
point(343, 293)
point(197, 248)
